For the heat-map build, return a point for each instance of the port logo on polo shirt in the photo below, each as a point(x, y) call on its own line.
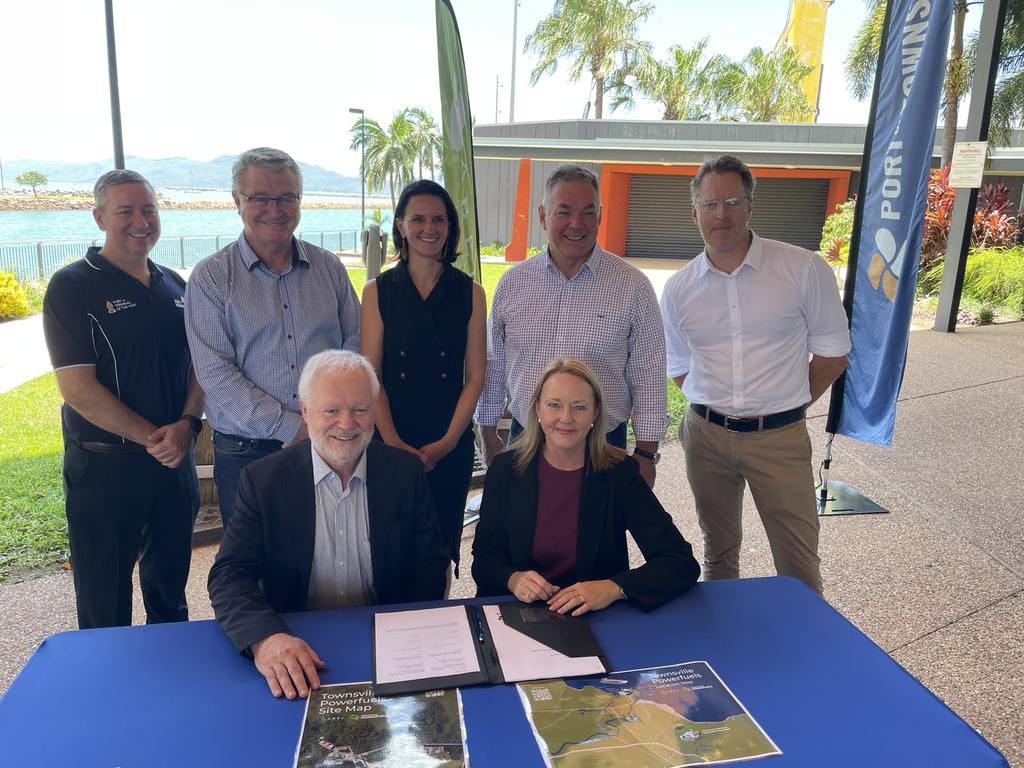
point(116, 305)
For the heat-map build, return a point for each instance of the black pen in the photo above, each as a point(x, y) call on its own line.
point(479, 627)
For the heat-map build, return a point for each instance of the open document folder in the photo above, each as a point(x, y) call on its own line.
point(463, 645)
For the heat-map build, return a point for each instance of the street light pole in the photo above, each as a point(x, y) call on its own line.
point(512, 95)
point(362, 165)
point(115, 98)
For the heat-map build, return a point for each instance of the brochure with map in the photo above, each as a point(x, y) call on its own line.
point(660, 717)
point(347, 727)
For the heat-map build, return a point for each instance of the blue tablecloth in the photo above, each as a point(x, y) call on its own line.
point(178, 695)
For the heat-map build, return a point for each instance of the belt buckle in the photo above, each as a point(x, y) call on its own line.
point(728, 420)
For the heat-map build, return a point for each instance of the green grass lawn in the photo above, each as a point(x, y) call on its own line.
point(33, 530)
point(32, 525)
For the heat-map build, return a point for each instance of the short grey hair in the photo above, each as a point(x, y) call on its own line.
point(724, 164)
point(570, 172)
point(274, 160)
point(336, 361)
point(113, 179)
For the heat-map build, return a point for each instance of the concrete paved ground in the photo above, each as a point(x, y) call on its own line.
point(938, 583)
point(23, 354)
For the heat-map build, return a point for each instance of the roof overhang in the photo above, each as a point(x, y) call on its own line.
point(651, 150)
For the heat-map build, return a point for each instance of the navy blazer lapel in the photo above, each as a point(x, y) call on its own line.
point(522, 518)
point(593, 510)
point(378, 505)
point(300, 495)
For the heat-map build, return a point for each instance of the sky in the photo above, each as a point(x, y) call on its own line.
point(204, 78)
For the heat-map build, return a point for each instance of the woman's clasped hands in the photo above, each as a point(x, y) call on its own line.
point(583, 596)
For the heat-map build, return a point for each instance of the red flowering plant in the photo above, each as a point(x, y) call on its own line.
point(995, 223)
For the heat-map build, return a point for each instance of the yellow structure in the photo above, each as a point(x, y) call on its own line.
point(805, 31)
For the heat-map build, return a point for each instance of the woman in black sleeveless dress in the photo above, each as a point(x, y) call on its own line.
point(424, 329)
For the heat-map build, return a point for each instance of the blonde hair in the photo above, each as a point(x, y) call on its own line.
point(600, 455)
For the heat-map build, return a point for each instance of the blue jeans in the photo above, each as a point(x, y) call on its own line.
point(232, 454)
point(616, 437)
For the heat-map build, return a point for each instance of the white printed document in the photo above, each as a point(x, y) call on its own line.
point(413, 645)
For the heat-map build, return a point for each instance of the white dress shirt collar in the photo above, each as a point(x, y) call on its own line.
point(322, 469)
point(753, 259)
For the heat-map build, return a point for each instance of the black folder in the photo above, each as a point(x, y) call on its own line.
point(569, 636)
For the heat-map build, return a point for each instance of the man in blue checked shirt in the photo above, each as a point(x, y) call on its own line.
point(255, 312)
point(576, 299)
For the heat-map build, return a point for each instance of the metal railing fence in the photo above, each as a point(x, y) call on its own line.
point(39, 259)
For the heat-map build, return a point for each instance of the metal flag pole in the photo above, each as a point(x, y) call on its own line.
point(839, 498)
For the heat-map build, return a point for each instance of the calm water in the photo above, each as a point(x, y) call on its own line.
point(76, 225)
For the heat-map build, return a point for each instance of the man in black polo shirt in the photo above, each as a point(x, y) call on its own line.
point(115, 330)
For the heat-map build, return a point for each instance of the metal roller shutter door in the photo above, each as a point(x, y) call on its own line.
point(659, 224)
point(790, 210)
point(659, 227)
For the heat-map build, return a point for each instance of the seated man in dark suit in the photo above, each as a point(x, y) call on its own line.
point(336, 520)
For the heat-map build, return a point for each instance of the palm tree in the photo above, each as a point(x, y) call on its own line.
point(427, 138)
point(863, 54)
point(765, 87)
point(862, 59)
point(598, 36)
point(688, 85)
point(391, 153)
point(1008, 98)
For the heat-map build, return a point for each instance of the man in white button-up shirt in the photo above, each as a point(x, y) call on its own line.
point(755, 332)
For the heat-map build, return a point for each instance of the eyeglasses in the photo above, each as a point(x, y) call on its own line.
point(711, 206)
point(284, 202)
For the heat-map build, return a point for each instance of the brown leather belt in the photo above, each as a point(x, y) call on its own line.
point(120, 448)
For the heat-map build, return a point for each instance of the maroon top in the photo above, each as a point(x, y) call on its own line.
point(558, 513)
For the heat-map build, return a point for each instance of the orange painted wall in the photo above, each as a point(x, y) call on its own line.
point(516, 248)
point(614, 211)
point(615, 178)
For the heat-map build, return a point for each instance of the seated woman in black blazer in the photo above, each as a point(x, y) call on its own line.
point(557, 506)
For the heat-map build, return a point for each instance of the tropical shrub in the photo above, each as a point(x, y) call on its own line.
point(995, 224)
point(35, 291)
point(986, 314)
point(498, 249)
point(991, 275)
point(835, 235)
point(13, 301)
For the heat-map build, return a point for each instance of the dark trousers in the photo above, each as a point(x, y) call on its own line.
point(232, 454)
point(449, 484)
point(616, 437)
point(123, 509)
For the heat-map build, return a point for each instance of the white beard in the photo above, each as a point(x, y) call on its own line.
point(334, 452)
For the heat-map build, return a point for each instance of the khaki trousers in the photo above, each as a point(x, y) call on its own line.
point(776, 463)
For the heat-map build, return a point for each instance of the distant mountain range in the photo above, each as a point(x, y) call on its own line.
point(174, 172)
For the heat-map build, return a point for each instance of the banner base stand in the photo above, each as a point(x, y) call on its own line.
point(842, 499)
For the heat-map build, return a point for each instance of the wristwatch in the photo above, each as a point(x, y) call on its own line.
point(653, 457)
point(196, 424)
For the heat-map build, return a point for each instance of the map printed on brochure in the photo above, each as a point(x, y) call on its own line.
point(346, 727)
point(661, 717)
